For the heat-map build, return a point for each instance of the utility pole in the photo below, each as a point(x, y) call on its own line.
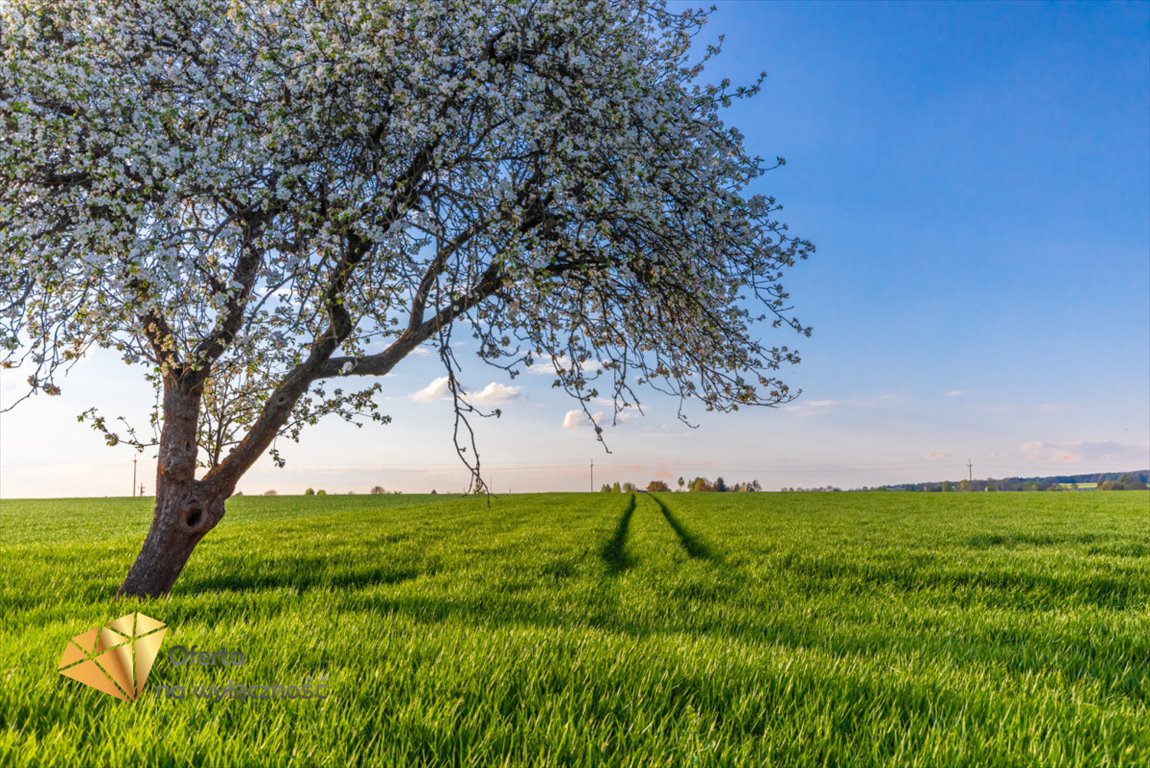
point(141, 490)
point(970, 472)
point(592, 475)
point(134, 478)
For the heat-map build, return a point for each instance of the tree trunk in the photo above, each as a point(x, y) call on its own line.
point(185, 508)
point(180, 520)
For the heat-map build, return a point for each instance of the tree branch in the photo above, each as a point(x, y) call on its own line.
point(245, 273)
point(157, 331)
point(278, 407)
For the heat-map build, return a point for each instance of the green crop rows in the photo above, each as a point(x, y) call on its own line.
point(605, 629)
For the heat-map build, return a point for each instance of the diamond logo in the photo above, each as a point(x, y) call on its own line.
point(117, 657)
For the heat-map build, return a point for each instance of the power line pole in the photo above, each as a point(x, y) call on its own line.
point(970, 471)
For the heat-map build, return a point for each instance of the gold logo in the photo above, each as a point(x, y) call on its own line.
point(117, 657)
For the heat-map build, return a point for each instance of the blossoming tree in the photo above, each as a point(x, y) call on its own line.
point(258, 200)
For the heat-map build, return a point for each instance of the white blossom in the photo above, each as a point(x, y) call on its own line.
point(263, 193)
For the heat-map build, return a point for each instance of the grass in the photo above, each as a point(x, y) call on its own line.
point(717, 629)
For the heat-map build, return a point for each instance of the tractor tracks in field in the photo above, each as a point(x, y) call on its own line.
point(616, 556)
point(614, 552)
point(694, 546)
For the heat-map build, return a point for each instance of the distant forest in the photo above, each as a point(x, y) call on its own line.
point(1102, 481)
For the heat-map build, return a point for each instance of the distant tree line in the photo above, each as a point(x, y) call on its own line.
point(695, 485)
point(821, 489)
point(1102, 481)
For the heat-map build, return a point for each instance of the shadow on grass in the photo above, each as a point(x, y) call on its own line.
point(694, 546)
point(614, 552)
point(1011, 540)
point(993, 585)
point(301, 575)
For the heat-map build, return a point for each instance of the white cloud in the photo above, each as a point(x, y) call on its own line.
point(436, 390)
point(493, 394)
point(575, 418)
point(622, 417)
point(547, 367)
point(954, 393)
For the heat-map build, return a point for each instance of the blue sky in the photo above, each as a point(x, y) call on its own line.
point(976, 178)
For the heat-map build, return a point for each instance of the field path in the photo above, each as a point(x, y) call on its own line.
point(692, 543)
point(614, 552)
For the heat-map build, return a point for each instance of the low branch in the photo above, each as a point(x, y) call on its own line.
point(419, 301)
point(381, 363)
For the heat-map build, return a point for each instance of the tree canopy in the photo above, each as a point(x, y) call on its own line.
point(257, 199)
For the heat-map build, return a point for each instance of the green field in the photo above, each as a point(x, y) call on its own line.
point(567, 629)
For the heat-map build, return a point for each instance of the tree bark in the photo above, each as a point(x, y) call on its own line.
point(185, 508)
point(182, 517)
